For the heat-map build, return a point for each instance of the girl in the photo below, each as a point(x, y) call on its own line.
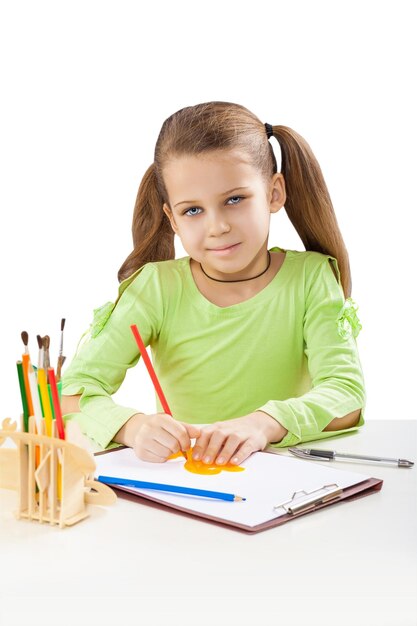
point(258, 344)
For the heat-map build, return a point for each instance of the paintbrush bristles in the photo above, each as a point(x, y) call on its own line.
point(61, 360)
point(45, 343)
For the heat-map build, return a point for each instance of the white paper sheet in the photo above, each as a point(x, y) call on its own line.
point(268, 480)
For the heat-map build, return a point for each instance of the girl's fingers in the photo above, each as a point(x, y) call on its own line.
point(192, 430)
point(214, 445)
point(164, 439)
point(201, 444)
point(148, 455)
point(161, 435)
point(184, 433)
point(169, 432)
point(230, 446)
point(243, 452)
point(148, 449)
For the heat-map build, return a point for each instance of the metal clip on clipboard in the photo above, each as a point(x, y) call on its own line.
point(302, 501)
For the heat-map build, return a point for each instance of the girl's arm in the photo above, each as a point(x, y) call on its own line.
point(335, 401)
point(99, 367)
point(153, 437)
point(234, 440)
point(337, 398)
point(347, 421)
point(70, 404)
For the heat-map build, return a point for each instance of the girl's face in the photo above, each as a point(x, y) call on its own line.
point(220, 207)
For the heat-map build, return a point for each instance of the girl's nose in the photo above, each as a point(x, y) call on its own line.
point(217, 224)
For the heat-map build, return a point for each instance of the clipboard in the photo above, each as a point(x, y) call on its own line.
point(325, 487)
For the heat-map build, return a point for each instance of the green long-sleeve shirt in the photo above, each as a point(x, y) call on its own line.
point(289, 351)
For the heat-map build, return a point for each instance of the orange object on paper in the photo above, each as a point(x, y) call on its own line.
point(209, 469)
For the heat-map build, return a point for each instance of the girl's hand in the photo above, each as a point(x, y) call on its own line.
point(155, 437)
point(234, 440)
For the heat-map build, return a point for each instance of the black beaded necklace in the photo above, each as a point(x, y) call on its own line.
point(241, 280)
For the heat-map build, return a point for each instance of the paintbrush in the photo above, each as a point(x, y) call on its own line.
point(25, 339)
point(61, 358)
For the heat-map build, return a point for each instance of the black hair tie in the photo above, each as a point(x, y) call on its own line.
point(269, 130)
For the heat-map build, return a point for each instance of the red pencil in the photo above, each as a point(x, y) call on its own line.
point(152, 372)
point(150, 369)
point(56, 403)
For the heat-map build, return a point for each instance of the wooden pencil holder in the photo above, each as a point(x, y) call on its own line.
point(53, 477)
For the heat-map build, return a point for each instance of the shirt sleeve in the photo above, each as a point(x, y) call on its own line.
point(99, 367)
point(333, 363)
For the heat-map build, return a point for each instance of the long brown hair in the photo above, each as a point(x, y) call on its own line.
point(224, 126)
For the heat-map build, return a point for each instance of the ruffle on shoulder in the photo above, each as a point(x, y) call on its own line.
point(100, 318)
point(102, 314)
point(348, 324)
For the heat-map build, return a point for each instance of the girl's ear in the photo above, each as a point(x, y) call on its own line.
point(169, 215)
point(277, 193)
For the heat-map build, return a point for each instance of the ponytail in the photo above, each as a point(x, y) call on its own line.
point(308, 203)
point(153, 237)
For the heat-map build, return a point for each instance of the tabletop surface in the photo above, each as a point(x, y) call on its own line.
point(133, 561)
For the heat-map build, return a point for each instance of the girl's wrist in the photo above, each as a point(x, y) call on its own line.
point(126, 435)
point(273, 430)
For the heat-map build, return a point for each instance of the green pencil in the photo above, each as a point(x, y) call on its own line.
point(23, 395)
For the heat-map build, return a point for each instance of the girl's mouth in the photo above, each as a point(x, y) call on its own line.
point(225, 251)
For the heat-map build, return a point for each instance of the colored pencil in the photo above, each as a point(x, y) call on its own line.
point(56, 403)
point(59, 423)
point(33, 384)
point(140, 484)
point(47, 409)
point(23, 396)
point(150, 368)
point(152, 373)
point(25, 365)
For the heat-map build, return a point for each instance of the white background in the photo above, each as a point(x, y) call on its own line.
point(85, 87)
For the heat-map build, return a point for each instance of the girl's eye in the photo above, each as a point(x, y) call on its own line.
point(235, 199)
point(193, 208)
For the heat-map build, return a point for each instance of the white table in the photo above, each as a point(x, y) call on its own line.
point(130, 563)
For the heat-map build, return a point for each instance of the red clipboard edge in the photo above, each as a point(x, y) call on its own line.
point(360, 490)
